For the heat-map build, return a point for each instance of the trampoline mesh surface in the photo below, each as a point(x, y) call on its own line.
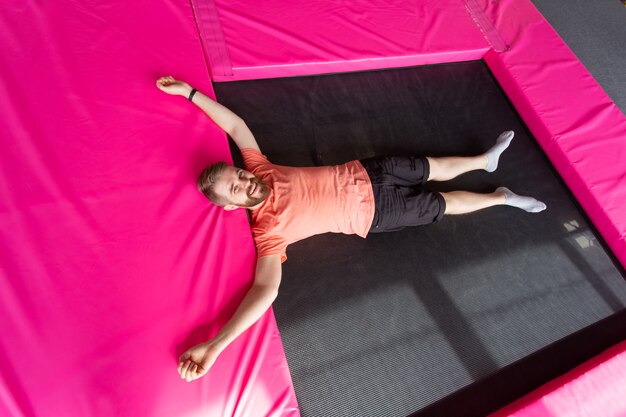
point(387, 325)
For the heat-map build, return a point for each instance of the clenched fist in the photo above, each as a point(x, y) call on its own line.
point(197, 361)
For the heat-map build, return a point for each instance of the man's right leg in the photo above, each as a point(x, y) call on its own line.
point(461, 202)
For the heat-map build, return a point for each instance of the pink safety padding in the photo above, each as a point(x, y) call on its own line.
point(112, 262)
point(111, 259)
point(595, 388)
point(579, 127)
point(277, 38)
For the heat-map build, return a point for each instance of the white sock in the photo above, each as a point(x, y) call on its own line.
point(493, 154)
point(529, 204)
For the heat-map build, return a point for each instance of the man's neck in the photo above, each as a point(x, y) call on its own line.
point(253, 208)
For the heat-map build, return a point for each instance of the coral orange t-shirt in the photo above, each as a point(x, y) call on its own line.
point(306, 201)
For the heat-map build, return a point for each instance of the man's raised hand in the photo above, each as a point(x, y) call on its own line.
point(171, 85)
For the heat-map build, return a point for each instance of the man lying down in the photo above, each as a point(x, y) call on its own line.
point(288, 204)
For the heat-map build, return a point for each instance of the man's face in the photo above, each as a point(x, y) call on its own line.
point(240, 188)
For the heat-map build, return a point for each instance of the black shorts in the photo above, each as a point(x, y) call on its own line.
point(399, 198)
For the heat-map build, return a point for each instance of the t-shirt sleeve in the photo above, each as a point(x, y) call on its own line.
point(268, 244)
point(253, 159)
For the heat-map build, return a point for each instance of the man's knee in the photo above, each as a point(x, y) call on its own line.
point(452, 204)
point(433, 168)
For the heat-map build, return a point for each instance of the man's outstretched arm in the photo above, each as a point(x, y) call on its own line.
point(196, 362)
point(232, 124)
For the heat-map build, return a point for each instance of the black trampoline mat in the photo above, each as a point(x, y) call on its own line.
point(388, 325)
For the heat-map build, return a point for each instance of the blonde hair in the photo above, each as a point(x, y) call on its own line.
point(206, 182)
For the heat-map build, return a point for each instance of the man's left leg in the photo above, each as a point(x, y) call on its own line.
point(449, 167)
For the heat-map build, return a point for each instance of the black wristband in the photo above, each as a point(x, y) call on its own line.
point(193, 91)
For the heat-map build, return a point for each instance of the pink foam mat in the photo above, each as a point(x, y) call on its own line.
point(112, 262)
point(580, 129)
point(595, 388)
point(245, 39)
